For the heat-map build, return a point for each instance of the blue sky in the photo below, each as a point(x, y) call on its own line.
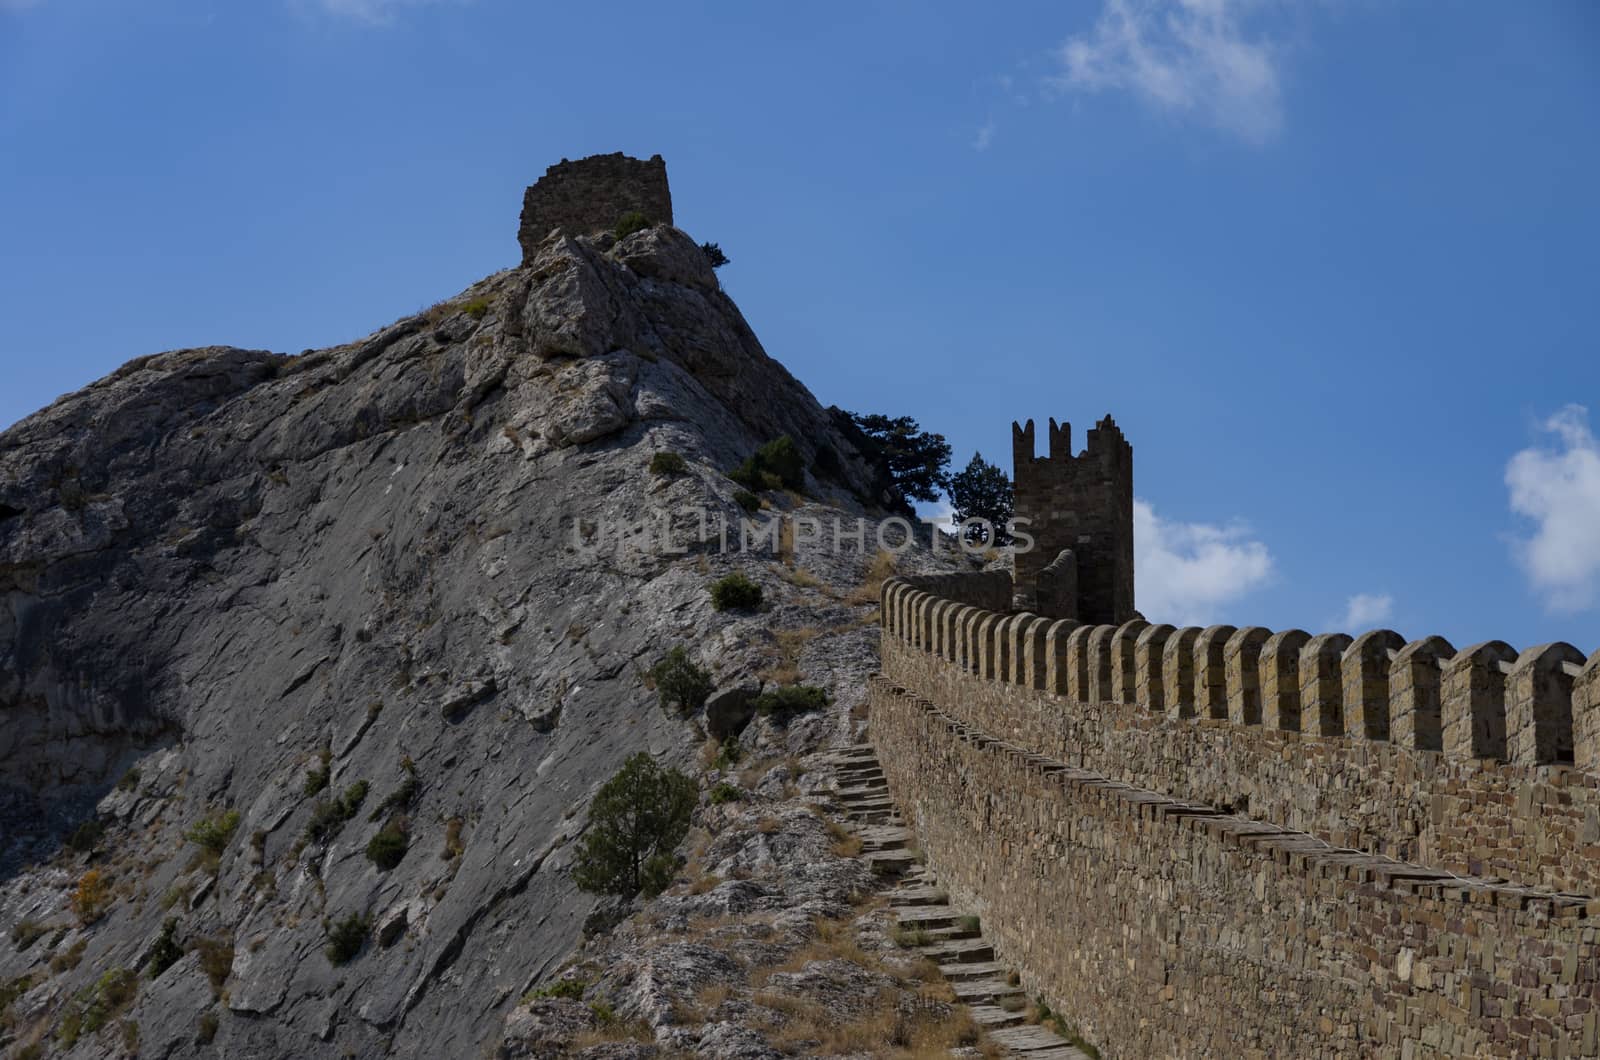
point(1332, 266)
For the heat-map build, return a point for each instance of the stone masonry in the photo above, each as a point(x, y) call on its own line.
point(591, 195)
point(1079, 504)
point(1239, 842)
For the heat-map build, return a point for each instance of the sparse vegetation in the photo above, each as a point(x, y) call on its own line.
point(724, 792)
point(784, 703)
point(629, 223)
point(400, 798)
point(98, 1005)
point(776, 465)
point(166, 952)
point(910, 938)
point(212, 834)
point(570, 989)
point(714, 254)
point(388, 848)
point(968, 923)
point(679, 682)
point(129, 780)
point(317, 779)
point(728, 754)
point(667, 462)
point(735, 592)
point(636, 821)
point(68, 959)
point(346, 938)
point(747, 500)
point(329, 815)
point(86, 835)
point(25, 933)
point(476, 308)
point(206, 1028)
point(92, 896)
point(216, 959)
point(454, 847)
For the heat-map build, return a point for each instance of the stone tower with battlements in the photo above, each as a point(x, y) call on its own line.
point(591, 195)
point(1082, 505)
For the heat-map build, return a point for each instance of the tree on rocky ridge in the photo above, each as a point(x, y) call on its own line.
point(982, 491)
point(918, 460)
point(636, 821)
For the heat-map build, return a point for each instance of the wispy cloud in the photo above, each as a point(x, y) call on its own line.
point(1558, 487)
point(985, 136)
point(1181, 56)
point(375, 12)
point(1365, 611)
point(1187, 571)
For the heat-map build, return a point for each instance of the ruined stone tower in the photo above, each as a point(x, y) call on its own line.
point(591, 195)
point(1079, 504)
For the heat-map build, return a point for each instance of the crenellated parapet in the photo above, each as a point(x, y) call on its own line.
point(1367, 740)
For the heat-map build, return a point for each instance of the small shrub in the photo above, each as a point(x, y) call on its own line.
point(206, 1028)
point(679, 682)
point(603, 1012)
point(714, 254)
point(453, 845)
point(216, 958)
point(69, 959)
point(25, 933)
point(783, 703)
point(317, 779)
point(782, 457)
point(212, 833)
point(747, 500)
point(629, 223)
point(165, 953)
point(637, 819)
point(477, 308)
point(130, 780)
point(97, 1006)
point(735, 592)
point(92, 896)
point(398, 799)
point(86, 835)
point(911, 938)
point(668, 463)
point(968, 923)
point(329, 815)
point(346, 937)
point(729, 753)
point(752, 477)
point(569, 989)
point(388, 847)
point(725, 792)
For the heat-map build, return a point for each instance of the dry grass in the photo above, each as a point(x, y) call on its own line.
point(845, 843)
point(799, 577)
point(886, 1029)
point(880, 570)
point(790, 644)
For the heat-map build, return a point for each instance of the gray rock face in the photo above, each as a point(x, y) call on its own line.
point(239, 582)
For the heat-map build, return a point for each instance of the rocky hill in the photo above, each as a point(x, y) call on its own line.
point(257, 606)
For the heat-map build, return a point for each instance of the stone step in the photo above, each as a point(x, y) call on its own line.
point(913, 895)
point(924, 915)
point(958, 951)
point(889, 862)
point(855, 794)
point(1032, 1040)
point(993, 1018)
point(869, 802)
point(948, 933)
point(977, 991)
point(974, 970)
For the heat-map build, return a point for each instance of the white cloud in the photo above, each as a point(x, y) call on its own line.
point(377, 12)
point(985, 136)
point(1183, 56)
point(1365, 611)
point(1559, 489)
point(1186, 571)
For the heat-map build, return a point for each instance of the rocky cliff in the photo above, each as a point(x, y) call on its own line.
point(237, 582)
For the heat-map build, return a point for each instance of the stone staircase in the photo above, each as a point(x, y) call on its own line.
point(940, 932)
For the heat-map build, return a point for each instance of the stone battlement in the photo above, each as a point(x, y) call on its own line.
point(1482, 760)
point(591, 195)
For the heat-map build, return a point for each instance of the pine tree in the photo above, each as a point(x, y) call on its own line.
point(636, 821)
point(982, 491)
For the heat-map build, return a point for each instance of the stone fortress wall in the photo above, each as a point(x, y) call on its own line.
point(591, 195)
point(1237, 842)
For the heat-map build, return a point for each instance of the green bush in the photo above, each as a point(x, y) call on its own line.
point(388, 847)
point(97, 1006)
point(679, 682)
point(714, 254)
point(629, 223)
point(329, 815)
point(130, 780)
point(636, 821)
point(86, 835)
point(398, 799)
point(774, 465)
point(783, 703)
point(725, 792)
point(751, 477)
point(729, 753)
point(747, 500)
point(165, 953)
point(213, 833)
point(25, 933)
point(317, 779)
point(570, 989)
point(346, 937)
point(477, 308)
point(668, 463)
point(735, 592)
